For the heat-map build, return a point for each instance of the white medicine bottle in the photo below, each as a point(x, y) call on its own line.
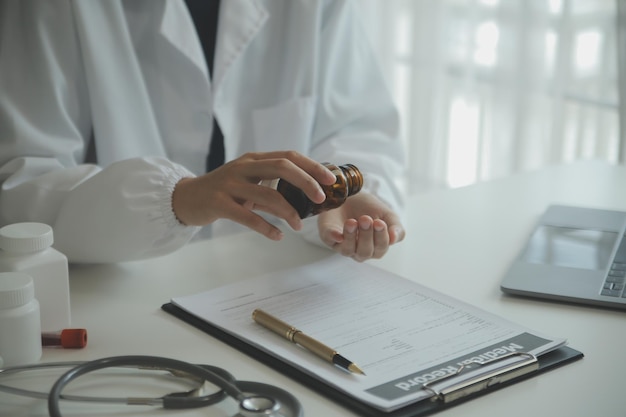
point(27, 247)
point(20, 326)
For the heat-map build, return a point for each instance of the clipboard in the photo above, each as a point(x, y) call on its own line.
point(444, 397)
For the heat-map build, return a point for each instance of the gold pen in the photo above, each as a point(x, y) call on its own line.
point(296, 336)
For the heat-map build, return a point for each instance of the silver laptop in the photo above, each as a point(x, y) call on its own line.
point(574, 254)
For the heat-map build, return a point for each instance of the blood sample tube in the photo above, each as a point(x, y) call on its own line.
point(67, 338)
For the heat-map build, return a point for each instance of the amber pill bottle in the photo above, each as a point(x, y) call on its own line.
point(349, 182)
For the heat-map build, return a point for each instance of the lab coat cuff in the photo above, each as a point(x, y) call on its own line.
point(172, 175)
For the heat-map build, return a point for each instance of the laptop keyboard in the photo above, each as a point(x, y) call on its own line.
point(616, 279)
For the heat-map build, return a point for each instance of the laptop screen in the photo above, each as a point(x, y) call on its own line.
point(570, 247)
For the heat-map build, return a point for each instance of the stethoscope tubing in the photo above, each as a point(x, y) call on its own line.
point(258, 399)
point(209, 399)
point(153, 362)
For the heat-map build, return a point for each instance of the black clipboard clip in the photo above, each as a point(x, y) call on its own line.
point(474, 384)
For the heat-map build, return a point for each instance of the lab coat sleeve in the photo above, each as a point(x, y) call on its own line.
point(356, 121)
point(119, 213)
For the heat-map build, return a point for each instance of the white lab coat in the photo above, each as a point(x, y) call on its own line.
point(289, 74)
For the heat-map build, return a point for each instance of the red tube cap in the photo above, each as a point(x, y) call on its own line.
point(74, 338)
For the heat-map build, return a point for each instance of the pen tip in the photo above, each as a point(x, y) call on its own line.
point(353, 368)
point(346, 364)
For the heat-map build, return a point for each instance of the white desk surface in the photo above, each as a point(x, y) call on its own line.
point(459, 241)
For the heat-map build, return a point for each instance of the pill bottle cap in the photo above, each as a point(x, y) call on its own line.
point(26, 237)
point(16, 289)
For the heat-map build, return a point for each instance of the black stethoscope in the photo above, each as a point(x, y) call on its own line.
point(255, 399)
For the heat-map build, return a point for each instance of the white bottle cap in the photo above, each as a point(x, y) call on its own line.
point(26, 237)
point(16, 289)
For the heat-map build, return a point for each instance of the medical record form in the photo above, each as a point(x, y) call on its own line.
point(406, 338)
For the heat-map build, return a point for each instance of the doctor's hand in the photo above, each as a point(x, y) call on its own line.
point(232, 191)
point(362, 228)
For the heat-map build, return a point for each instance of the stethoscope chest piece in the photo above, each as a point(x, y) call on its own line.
point(267, 400)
